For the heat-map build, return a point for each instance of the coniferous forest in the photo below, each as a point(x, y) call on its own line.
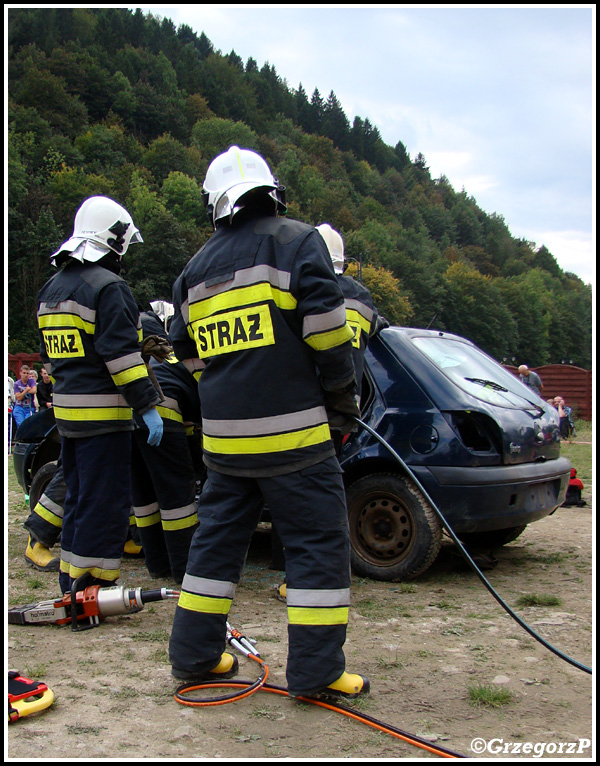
point(121, 103)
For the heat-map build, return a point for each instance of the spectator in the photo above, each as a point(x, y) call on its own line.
point(25, 389)
point(44, 390)
point(574, 491)
point(567, 427)
point(530, 379)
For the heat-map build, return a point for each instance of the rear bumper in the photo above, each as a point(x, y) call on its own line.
point(496, 497)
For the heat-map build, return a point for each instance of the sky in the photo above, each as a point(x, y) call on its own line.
point(500, 99)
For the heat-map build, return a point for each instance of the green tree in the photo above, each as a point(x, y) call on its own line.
point(216, 135)
point(182, 196)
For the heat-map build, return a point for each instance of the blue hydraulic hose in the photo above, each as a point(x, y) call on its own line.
point(468, 558)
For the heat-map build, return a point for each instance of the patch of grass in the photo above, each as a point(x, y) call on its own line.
point(538, 599)
point(487, 695)
point(390, 662)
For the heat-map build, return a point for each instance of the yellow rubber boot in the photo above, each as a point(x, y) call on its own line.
point(348, 686)
point(132, 549)
point(281, 592)
point(227, 667)
point(39, 557)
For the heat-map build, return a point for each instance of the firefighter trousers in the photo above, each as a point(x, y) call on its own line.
point(308, 508)
point(97, 473)
point(44, 523)
point(164, 501)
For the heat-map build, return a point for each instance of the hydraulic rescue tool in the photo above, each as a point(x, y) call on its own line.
point(86, 608)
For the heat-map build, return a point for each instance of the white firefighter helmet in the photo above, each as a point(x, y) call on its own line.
point(163, 310)
point(231, 175)
point(101, 225)
point(335, 245)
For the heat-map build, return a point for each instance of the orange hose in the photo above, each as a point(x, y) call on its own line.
point(261, 684)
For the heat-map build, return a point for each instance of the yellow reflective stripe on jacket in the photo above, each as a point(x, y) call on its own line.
point(66, 321)
point(169, 414)
point(240, 297)
point(93, 413)
point(127, 376)
point(258, 445)
point(298, 615)
point(326, 340)
point(355, 317)
point(205, 604)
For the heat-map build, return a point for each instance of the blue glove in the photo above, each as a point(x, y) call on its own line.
point(155, 425)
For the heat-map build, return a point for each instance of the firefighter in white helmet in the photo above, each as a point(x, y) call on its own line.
point(259, 309)
point(364, 320)
point(361, 314)
point(90, 334)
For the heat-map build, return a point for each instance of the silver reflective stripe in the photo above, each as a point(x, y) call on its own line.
point(361, 308)
point(87, 562)
point(205, 587)
point(185, 311)
point(259, 426)
point(145, 510)
point(178, 513)
point(69, 307)
point(124, 362)
point(194, 365)
point(314, 323)
point(242, 278)
point(89, 400)
point(312, 598)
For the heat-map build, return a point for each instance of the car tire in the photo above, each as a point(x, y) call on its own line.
point(40, 481)
point(493, 539)
point(394, 532)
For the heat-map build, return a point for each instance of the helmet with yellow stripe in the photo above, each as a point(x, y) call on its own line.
point(231, 178)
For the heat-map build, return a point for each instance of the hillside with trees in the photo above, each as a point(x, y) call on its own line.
point(122, 103)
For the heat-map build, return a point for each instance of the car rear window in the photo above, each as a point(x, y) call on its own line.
point(477, 374)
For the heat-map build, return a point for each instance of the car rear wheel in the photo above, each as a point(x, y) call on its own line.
point(41, 479)
point(394, 532)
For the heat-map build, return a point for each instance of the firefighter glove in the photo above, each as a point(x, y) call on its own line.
point(155, 425)
point(342, 409)
point(157, 347)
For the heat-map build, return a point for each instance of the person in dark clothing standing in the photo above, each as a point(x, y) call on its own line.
point(44, 390)
point(260, 310)
point(90, 335)
point(164, 477)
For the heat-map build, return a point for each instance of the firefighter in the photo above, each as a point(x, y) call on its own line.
point(363, 318)
point(361, 314)
point(258, 308)
point(164, 477)
point(90, 331)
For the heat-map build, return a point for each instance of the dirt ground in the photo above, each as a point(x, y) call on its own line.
point(423, 644)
